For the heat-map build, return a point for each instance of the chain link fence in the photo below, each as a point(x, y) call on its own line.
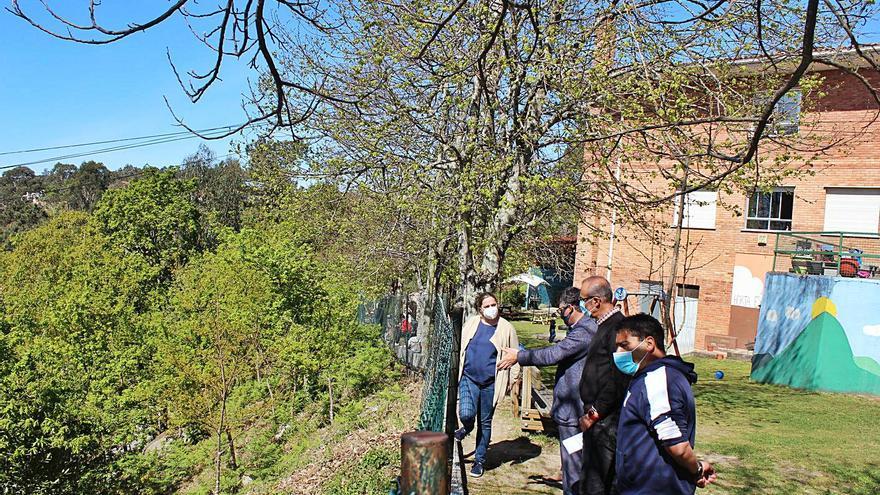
point(426, 350)
point(439, 346)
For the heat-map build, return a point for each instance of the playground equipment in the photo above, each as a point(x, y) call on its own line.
point(622, 296)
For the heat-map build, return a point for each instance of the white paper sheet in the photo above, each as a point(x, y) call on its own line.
point(574, 443)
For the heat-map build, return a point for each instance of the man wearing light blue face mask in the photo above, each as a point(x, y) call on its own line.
point(569, 356)
point(655, 436)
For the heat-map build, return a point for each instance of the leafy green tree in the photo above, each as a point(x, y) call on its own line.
point(21, 192)
point(221, 190)
point(72, 188)
point(75, 383)
point(229, 308)
point(87, 185)
point(155, 218)
point(60, 173)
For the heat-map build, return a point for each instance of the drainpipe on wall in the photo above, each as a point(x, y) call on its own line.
point(613, 225)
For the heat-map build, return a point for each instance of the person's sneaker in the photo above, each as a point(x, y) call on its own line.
point(460, 434)
point(477, 470)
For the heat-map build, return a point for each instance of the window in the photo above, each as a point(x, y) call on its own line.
point(647, 302)
point(852, 210)
point(770, 210)
point(787, 115)
point(699, 210)
point(688, 290)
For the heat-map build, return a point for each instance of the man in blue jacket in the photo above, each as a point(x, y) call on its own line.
point(655, 436)
point(569, 355)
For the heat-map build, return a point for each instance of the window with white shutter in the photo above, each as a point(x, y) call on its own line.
point(699, 210)
point(852, 210)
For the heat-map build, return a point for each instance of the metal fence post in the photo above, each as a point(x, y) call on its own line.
point(458, 479)
point(423, 461)
point(456, 316)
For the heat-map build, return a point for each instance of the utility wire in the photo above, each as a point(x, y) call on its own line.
point(109, 149)
point(119, 140)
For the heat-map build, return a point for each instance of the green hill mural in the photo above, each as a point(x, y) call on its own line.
point(868, 364)
point(820, 358)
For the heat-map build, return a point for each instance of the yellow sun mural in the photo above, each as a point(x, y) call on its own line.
point(824, 305)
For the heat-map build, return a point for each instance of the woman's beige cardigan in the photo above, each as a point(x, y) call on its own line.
point(504, 336)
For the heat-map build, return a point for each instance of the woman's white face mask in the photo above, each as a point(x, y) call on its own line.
point(491, 312)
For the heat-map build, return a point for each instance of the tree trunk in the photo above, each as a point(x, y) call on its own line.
point(233, 461)
point(669, 300)
point(330, 392)
point(218, 465)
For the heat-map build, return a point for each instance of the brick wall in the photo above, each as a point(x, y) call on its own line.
point(847, 113)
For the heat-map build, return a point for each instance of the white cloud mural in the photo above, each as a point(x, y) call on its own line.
point(872, 330)
point(747, 289)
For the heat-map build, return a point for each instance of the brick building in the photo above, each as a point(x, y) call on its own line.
point(728, 254)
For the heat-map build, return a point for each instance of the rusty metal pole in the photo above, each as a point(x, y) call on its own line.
point(423, 458)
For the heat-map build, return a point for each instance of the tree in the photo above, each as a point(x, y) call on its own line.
point(154, 218)
point(20, 202)
point(469, 107)
point(221, 187)
point(231, 310)
point(87, 185)
point(75, 372)
point(473, 109)
point(61, 172)
point(220, 303)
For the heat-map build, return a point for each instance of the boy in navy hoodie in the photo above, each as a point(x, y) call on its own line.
point(655, 436)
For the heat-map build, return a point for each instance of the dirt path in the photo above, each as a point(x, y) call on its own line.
point(516, 461)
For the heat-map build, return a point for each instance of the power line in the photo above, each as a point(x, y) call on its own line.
point(111, 149)
point(119, 140)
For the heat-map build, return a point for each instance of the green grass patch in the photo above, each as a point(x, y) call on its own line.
point(774, 439)
point(528, 333)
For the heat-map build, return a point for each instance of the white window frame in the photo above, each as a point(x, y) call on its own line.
point(769, 219)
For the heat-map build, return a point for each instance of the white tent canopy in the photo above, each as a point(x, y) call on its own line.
point(528, 278)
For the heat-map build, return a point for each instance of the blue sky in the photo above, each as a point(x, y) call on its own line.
point(54, 92)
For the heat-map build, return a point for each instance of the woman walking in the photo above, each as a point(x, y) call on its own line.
point(482, 386)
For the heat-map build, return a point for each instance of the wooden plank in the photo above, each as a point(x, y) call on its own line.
point(526, 402)
point(515, 392)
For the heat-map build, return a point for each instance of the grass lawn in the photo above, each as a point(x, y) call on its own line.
point(772, 439)
point(528, 336)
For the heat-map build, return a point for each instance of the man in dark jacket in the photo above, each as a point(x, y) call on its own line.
point(658, 420)
point(602, 387)
point(569, 355)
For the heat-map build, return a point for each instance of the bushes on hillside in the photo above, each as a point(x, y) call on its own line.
point(124, 341)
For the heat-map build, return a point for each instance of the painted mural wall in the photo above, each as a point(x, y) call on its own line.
point(819, 333)
point(749, 271)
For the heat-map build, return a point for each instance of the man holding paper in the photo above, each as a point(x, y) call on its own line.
point(569, 355)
